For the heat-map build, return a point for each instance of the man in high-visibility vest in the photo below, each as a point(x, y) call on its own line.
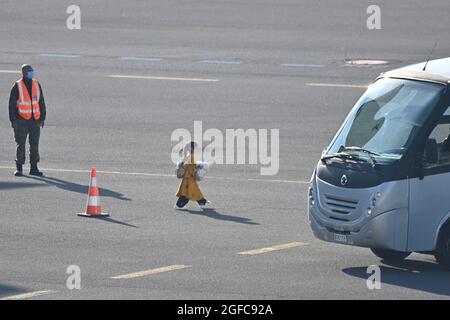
point(27, 115)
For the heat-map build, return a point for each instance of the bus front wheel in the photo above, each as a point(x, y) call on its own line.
point(442, 253)
point(390, 255)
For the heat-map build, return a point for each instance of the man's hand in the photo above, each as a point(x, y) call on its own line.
point(13, 124)
point(42, 124)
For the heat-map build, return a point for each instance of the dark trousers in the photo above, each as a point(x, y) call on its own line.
point(32, 129)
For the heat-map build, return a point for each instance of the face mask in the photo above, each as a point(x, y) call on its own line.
point(30, 74)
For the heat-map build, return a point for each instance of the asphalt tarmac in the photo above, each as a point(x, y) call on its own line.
point(135, 72)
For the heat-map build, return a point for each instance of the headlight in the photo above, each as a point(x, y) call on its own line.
point(373, 202)
point(311, 194)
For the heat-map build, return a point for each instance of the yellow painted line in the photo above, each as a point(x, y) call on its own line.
point(273, 248)
point(28, 295)
point(10, 71)
point(162, 78)
point(161, 175)
point(150, 272)
point(336, 85)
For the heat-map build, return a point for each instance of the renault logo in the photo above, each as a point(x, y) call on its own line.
point(344, 180)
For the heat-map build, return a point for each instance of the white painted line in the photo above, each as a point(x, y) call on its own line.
point(105, 172)
point(57, 55)
point(336, 85)
point(303, 65)
point(10, 71)
point(162, 175)
point(28, 295)
point(140, 59)
point(274, 248)
point(150, 272)
point(366, 62)
point(221, 61)
point(162, 78)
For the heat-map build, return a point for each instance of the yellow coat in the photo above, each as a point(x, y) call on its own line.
point(189, 187)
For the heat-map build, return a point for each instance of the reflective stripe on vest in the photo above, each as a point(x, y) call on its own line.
point(26, 106)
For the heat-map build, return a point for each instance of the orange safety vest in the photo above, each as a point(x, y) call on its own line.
point(26, 106)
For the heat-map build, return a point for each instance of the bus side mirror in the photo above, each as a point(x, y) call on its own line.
point(431, 151)
point(429, 156)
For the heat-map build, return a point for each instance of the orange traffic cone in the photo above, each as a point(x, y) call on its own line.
point(93, 208)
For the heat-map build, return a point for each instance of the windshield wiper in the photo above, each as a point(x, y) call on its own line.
point(341, 155)
point(361, 149)
point(373, 162)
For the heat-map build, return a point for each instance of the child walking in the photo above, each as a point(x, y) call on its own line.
point(188, 170)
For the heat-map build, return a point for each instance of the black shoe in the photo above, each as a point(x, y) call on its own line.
point(19, 170)
point(18, 173)
point(34, 171)
point(181, 203)
point(177, 207)
point(203, 203)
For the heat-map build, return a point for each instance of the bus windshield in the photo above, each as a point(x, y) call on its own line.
point(386, 119)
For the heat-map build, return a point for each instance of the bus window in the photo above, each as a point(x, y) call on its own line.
point(439, 143)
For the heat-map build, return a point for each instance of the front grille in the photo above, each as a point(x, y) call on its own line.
point(339, 231)
point(340, 206)
point(339, 219)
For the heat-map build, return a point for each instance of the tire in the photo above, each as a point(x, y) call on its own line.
point(442, 253)
point(390, 255)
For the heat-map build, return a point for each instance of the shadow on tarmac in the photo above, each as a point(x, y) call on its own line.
point(213, 214)
point(412, 274)
point(108, 219)
point(7, 290)
point(18, 185)
point(79, 188)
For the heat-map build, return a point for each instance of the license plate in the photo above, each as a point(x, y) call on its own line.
point(340, 238)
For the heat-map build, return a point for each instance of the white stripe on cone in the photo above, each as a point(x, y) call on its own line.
point(93, 201)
